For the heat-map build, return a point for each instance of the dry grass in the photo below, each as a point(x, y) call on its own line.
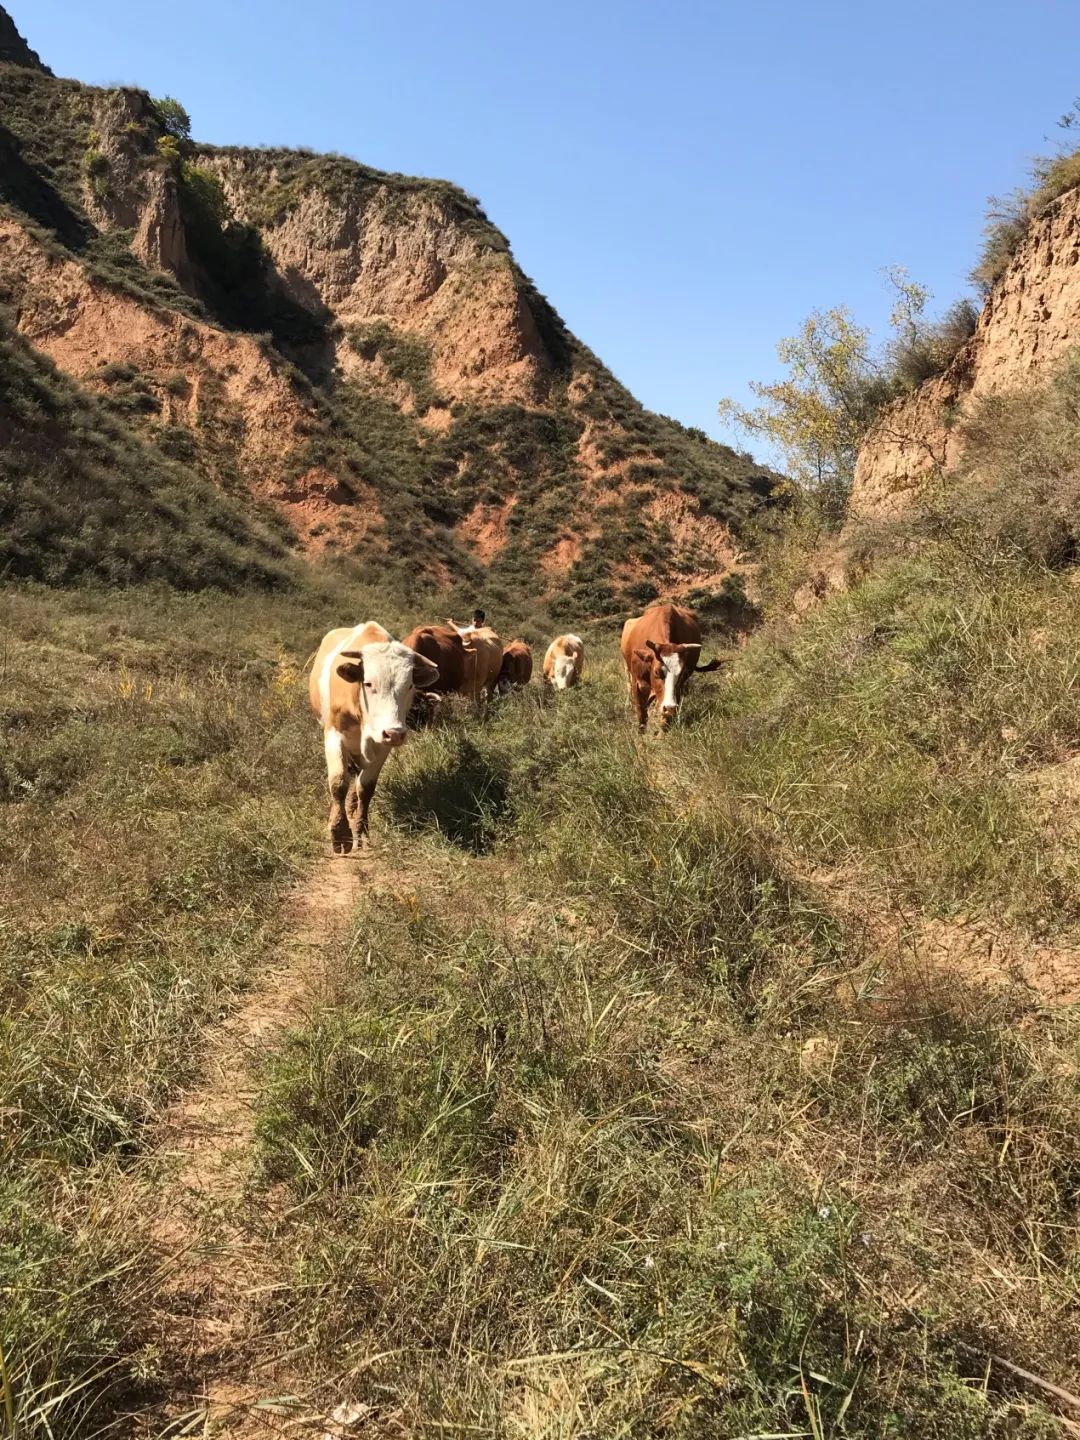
point(153, 778)
point(618, 1128)
point(633, 1103)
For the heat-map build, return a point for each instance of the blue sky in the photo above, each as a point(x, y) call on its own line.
point(685, 181)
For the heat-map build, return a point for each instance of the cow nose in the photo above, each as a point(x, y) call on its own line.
point(395, 736)
point(668, 713)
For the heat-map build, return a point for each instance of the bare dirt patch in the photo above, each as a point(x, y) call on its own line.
point(197, 1180)
point(485, 529)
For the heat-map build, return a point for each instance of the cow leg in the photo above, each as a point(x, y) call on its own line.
point(365, 789)
point(337, 779)
point(641, 705)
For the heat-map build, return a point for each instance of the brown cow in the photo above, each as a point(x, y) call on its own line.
point(661, 650)
point(444, 646)
point(563, 661)
point(468, 660)
point(362, 684)
point(516, 668)
point(489, 655)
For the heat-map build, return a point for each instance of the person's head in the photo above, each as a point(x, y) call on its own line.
point(478, 618)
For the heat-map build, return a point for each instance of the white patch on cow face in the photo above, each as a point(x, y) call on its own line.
point(671, 668)
point(386, 692)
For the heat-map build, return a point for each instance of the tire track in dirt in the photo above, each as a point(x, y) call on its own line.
point(196, 1182)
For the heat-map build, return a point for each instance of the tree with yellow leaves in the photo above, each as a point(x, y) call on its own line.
point(817, 415)
point(837, 382)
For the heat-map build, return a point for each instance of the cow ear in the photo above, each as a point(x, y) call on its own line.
point(645, 656)
point(351, 671)
point(716, 664)
point(654, 647)
point(424, 673)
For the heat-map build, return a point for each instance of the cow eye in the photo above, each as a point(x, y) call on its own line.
point(368, 685)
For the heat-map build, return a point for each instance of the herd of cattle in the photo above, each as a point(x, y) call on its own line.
point(367, 688)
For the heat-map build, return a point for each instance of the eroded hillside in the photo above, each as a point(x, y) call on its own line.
point(356, 350)
point(1029, 322)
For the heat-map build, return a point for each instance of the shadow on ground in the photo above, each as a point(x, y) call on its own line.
point(462, 796)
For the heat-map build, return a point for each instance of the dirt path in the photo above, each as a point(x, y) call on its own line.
point(197, 1181)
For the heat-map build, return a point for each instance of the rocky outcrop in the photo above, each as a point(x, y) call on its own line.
point(231, 385)
point(13, 48)
point(122, 136)
point(913, 439)
point(1030, 320)
point(159, 240)
point(383, 252)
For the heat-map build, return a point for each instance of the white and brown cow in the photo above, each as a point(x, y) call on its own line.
point(563, 661)
point(661, 650)
point(362, 684)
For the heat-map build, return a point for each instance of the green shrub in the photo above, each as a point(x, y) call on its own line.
point(97, 169)
point(172, 117)
point(406, 357)
point(932, 349)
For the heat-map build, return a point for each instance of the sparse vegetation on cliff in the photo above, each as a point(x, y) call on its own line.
point(1010, 218)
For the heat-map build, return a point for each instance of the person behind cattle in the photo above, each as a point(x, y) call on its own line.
point(476, 623)
point(362, 685)
point(661, 650)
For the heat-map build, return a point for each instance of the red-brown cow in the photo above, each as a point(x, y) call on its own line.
point(454, 656)
point(516, 668)
point(661, 650)
point(468, 660)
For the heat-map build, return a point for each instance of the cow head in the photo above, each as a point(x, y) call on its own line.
point(562, 672)
point(387, 675)
point(665, 670)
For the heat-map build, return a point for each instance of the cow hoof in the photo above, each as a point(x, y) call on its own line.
point(341, 839)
